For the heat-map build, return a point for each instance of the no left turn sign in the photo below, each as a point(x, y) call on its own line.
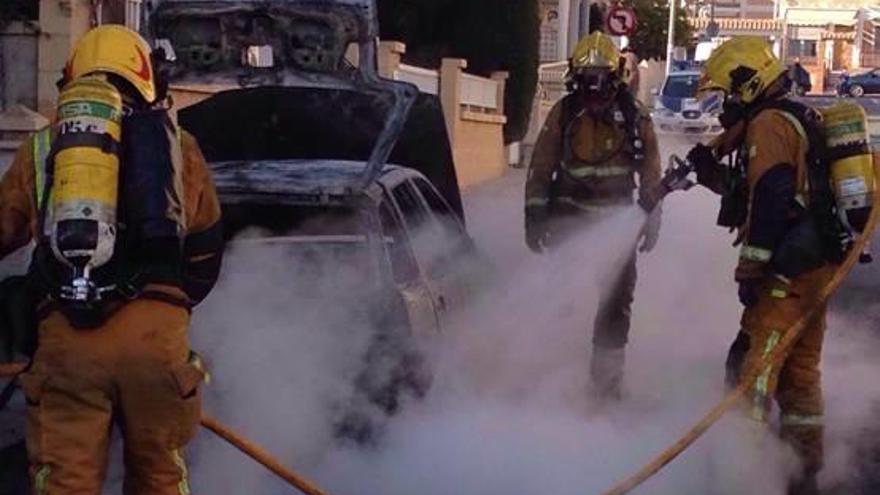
point(620, 21)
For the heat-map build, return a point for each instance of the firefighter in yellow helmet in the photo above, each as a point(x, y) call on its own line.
point(789, 233)
point(593, 145)
point(125, 219)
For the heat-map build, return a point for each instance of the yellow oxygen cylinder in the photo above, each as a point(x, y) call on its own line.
point(81, 208)
point(851, 161)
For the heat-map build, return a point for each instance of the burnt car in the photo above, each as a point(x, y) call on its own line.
point(350, 174)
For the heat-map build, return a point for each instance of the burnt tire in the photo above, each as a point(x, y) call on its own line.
point(14, 470)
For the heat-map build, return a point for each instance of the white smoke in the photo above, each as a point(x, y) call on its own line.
point(509, 411)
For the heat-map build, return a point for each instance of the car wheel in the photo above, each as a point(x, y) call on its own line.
point(856, 90)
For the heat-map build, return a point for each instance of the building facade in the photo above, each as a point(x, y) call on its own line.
point(563, 23)
point(828, 38)
point(727, 9)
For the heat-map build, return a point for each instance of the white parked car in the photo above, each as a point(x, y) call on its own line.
point(678, 111)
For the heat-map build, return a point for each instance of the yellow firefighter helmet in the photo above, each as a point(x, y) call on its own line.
point(114, 49)
point(742, 66)
point(595, 50)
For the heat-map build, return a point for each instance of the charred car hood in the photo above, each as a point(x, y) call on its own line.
point(258, 135)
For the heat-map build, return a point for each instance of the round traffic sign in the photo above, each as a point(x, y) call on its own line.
point(620, 21)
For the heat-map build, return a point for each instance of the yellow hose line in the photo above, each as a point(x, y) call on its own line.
point(734, 396)
point(260, 455)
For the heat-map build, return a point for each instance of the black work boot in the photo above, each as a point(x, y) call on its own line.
point(606, 373)
point(735, 357)
point(806, 484)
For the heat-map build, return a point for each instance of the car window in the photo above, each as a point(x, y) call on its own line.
point(681, 86)
point(443, 244)
point(441, 211)
point(412, 209)
point(403, 266)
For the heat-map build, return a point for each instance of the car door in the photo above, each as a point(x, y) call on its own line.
point(454, 263)
point(872, 81)
point(412, 284)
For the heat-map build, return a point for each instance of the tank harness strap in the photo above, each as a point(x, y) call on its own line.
point(797, 125)
point(103, 141)
point(626, 102)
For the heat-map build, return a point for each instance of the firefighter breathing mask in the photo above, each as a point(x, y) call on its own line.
point(594, 66)
point(595, 82)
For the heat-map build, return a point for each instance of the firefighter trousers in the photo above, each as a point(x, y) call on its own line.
point(611, 326)
point(612, 322)
point(794, 381)
point(135, 371)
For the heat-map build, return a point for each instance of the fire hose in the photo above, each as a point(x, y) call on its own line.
point(240, 442)
point(789, 338)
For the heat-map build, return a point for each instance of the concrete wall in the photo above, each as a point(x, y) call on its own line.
point(652, 74)
point(478, 152)
point(62, 22)
point(476, 135)
point(40, 58)
point(18, 66)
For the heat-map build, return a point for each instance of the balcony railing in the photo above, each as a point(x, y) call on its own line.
point(428, 81)
point(479, 92)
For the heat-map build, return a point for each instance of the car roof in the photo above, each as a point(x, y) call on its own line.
point(301, 181)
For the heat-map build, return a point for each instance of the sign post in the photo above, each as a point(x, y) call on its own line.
point(670, 43)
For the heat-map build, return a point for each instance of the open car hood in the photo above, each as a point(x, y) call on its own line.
point(270, 132)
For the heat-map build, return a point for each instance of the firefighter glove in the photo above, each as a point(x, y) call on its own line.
point(710, 172)
point(536, 228)
point(649, 198)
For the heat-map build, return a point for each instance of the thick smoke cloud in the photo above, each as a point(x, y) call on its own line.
point(509, 410)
